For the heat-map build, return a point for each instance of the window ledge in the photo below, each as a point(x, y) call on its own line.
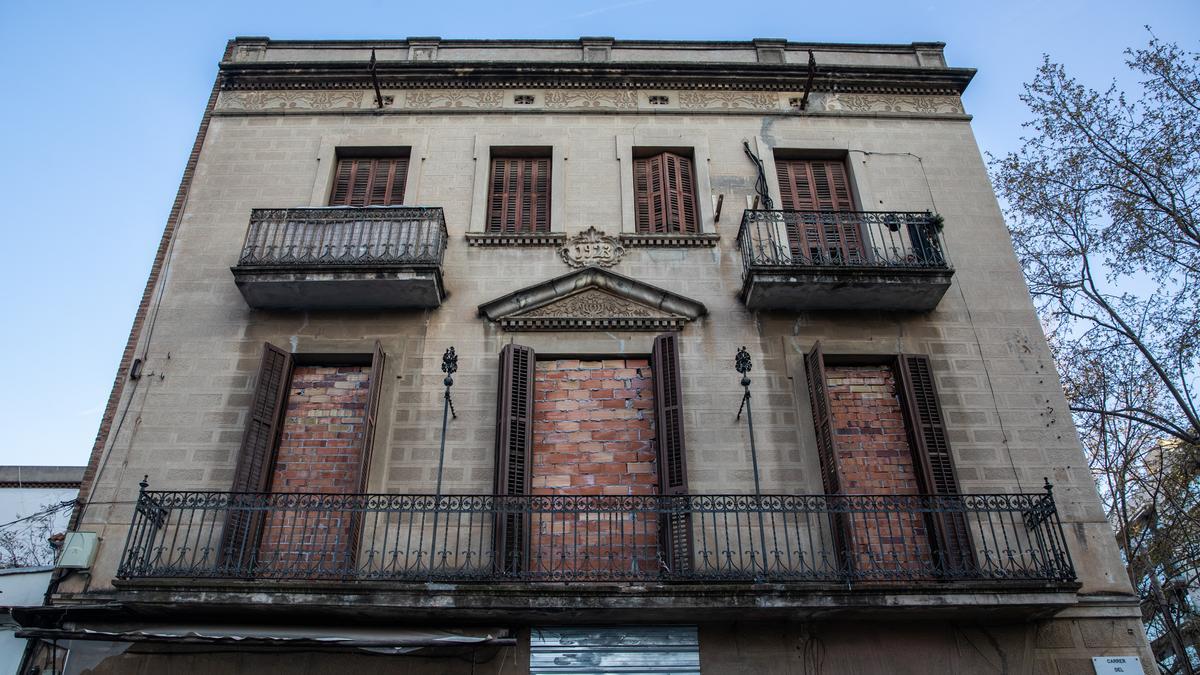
point(706, 239)
point(497, 239)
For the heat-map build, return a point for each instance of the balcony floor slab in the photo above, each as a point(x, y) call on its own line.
point(349, 289)
point(845, 288)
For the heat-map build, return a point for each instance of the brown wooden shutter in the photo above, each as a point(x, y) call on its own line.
point(831, 474)
point(675, 531)
point(818, 392)
point(514, 445)
point(817, 185)
point(374, 386)
point(665, 194)
point(933, 459)
point(256, 457)
point(369, 182)
point(519, 195)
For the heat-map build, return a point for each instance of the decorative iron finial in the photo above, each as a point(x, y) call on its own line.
point(449, 366)
point(145, 482)
point(1048, 487)
point(742, 365)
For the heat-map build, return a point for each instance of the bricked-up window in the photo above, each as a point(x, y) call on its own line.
point(664, 193)
point(289, 435)
point(366, 181)
point(819, 185)
point(519, 195)
point(880, 430)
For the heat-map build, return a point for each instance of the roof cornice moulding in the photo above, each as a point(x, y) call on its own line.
point(333, 75)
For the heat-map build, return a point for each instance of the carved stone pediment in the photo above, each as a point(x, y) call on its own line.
point(592, 299)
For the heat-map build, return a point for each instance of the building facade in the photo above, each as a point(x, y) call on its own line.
point(439, 368)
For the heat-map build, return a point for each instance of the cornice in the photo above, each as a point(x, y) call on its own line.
point(335, 75)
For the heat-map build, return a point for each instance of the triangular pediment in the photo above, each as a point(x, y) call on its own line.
point(592, 299)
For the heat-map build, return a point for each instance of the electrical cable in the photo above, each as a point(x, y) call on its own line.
point(50, 511)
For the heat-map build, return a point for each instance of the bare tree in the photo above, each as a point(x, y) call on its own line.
point(25, 542)
point(1102, 200)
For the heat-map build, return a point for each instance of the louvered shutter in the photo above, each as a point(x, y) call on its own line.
point(665, 194)
point(374, 386)
point(369, 182)
point(514, 445)
point(823, 189)
point(831, 475)
point(675, 531)
point(932, 445)
point(519, 195)
point(243, 525)
point(818, 392)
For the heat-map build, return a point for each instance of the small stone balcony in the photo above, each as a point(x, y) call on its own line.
point(343, 258)
point(843, 260)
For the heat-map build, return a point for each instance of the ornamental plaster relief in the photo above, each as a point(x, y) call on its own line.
point(437, 99)
point(290, 100)
point(728, 100)
point(616, 99)
point(892, 103)
point(622, 100)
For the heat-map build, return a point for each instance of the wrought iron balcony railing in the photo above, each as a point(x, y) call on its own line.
point(816, 539)
point(345, 237)
point(881, 239)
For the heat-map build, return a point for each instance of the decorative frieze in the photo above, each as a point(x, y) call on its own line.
point(728, 100)
point(290, 100)
point(434, 99)
point(612, 99)
point(571, 100)
point(892, 103)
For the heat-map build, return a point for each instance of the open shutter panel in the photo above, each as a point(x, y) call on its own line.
point(668, 415)
point(645, 172)
point(675, 529)
point(540, 221)
point(369, 182)
point(253, 472)
point(514, 441)
point(932, 446)
point(687, 218)
point(374, 386)
point(818, 392)
point(831, 474)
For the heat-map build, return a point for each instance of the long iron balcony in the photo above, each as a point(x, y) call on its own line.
point(851, 260)
point(913, 541)
point(378, 257)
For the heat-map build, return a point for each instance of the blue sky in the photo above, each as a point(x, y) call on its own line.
point(102, 101)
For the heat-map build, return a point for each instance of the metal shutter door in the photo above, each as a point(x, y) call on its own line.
point(628, 650)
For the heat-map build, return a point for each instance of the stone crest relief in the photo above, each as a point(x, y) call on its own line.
point(592, 248)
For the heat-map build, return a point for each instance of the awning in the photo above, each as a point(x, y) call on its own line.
point(375, 640)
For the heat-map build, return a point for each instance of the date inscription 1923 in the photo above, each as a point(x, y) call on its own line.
point(592, 248)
